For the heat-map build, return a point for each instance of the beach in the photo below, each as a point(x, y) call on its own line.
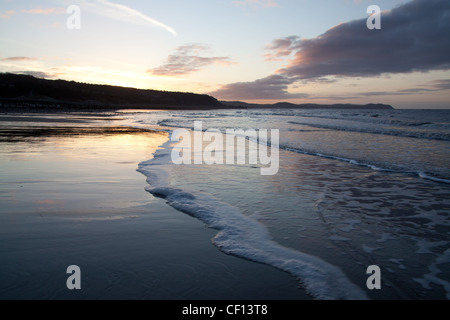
point(353, 190)
point(348, 191)
point(71, 195)
point(229, 152)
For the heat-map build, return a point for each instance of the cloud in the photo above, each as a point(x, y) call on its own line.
point(263, 3)
point(432, 86)
point(18, 59)
point(7, 14)
point(404, 92)
point(123, 13)
point(271, 87)
point(187, 59)
point(413, 38)
point(282, 47)
point(46, 11)
point(443, 84)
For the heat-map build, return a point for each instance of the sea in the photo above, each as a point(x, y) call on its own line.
point(358, 208)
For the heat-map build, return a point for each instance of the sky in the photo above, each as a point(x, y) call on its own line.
point(260, 51)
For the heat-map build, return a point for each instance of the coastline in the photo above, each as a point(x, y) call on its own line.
point(33, 93)
point(71, 195)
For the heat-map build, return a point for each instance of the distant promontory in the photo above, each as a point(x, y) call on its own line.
point(288, 105)
point(20, 91)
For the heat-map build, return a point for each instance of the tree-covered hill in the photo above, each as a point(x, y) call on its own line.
point(18, 88)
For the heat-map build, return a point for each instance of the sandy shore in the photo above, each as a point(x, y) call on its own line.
point(70, 195)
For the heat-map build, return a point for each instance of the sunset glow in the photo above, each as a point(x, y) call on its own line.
point(254, 51)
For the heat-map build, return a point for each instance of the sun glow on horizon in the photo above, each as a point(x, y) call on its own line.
point(254, 51)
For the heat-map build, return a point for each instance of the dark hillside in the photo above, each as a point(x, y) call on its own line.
point(15, 88)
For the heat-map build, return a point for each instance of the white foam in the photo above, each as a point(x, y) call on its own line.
point(242, 236)
point(350, 161)
point(423, 175)
point(404, 130)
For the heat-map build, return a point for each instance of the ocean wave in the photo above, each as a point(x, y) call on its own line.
point(428, 134)
point(437, 175)
point(244, 237)
point(424, 175)
point(390, 117)
point(420, 174)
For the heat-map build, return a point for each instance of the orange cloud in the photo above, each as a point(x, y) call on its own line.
point(45, 11)
point(187, 59)
point(7, 14)
point(18, 59)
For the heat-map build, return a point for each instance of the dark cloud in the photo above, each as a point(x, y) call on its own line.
point(414, 37)
point(187, 59)
point(282, 47)
point(433, 86)
point(271, 87)
point(443, 84)
point(404, 92)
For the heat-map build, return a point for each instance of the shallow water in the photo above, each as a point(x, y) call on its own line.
point(73, 197)
point(353, 190)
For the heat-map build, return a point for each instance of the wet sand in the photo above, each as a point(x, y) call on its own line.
point(70, 195)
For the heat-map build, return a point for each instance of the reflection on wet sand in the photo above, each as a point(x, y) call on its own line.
point(65, 168)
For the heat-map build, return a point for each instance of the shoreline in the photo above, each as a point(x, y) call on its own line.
point(71, 195)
